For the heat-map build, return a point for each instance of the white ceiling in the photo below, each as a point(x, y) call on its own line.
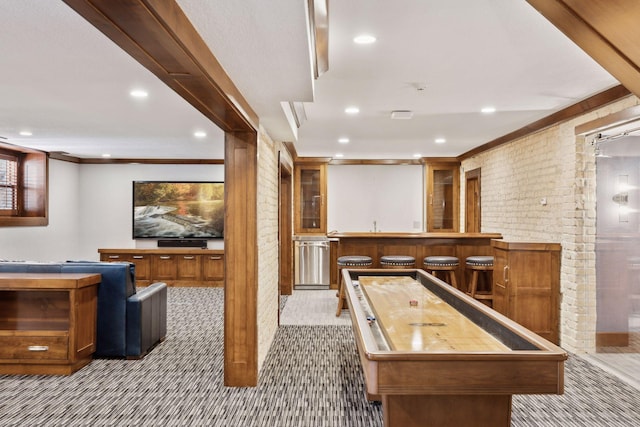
point(68, 84)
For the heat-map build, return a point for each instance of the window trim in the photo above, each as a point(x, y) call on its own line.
point(33, 187)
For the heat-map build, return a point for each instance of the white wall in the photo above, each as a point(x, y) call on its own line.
point(60, 239)
point(390, 195)
point(90, 208)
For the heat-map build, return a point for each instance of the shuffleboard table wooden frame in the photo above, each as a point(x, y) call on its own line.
point(451, 388)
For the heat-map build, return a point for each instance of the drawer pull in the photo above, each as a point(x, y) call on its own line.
point(188, 257)
point(215, 258)
point(505, 274)
point(138, 257)
point(165, 257)
point(38, 348)
point(114, 256)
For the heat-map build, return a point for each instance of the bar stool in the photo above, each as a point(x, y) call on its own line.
point(477, 265)
point(355, 261)
point(445, 264)
point(397, 261)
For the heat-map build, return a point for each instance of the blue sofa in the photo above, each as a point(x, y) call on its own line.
point(130, 322)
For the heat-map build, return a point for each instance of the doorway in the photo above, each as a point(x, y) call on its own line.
point(618, 252)
point(285, 228)
point(472, 206)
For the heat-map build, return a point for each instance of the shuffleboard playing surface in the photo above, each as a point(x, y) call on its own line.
point(431, 325)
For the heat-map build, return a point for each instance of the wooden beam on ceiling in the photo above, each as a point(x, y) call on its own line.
point(159, 36)
point(607, 30)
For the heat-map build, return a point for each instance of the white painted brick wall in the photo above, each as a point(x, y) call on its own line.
point(556, 165)
point(268, 297)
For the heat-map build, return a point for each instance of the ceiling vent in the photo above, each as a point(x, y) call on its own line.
point(401, 114)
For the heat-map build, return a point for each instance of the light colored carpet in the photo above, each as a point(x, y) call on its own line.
point(313, 307)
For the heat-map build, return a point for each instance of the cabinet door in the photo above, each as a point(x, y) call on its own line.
point(164, 267)
point(310, 199)
point(143, 266)
point(443, 189)
point(213, 267)
point(501, 281)
point(189, 267)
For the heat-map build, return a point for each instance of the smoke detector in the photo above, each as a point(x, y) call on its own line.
point(401, 114)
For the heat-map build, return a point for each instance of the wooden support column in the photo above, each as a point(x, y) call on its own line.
point(241, 260)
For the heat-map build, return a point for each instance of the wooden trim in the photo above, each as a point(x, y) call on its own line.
point(375, 162)
point(312, 160)
point(241, 260)
point(319, 23)
point(590, 104)
point(292, 150)
point(612, 339)
point(619, 118)
point(604, 29)
point(99, 161)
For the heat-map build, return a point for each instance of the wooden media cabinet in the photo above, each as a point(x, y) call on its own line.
point(173, 266)
point(47, 322)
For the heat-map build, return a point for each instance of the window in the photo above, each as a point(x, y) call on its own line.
point(8, 185)
point(23, 186)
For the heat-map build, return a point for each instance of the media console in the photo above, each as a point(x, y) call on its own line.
point(47, 322)
point(174, 266)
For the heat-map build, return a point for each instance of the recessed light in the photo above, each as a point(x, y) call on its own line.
point(343, 140)
point(364, 39)
point(440, 140)
point(338, 155)
point(352, 110)
point(139, 93)
point(417, 155)
point(199, 134)
point(488, 110)
point(106, 155)
point(25, 133)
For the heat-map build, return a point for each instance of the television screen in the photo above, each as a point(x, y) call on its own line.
point(169, 209)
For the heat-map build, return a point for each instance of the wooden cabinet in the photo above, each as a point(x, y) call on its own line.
point(175, 267)
point(310, 215)
point(526, 285)
point(47, 322)
point(443, 189)
point(142, 262)
point(213, 267)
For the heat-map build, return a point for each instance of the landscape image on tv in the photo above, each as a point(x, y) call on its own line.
point(178, 209)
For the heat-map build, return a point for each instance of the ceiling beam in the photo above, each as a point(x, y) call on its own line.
point(159, 36)
point(607, 30)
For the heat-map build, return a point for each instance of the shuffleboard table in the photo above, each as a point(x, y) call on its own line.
point(436, 357)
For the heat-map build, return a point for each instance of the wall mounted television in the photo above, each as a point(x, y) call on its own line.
point(178, 210)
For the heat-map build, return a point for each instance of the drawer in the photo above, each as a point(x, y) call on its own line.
point(34, 347)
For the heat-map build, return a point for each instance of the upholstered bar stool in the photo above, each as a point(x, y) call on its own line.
point(444, 264)
point(353, 261)
point(397, 261)
point(480, 265)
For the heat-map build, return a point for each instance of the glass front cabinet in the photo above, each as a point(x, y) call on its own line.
point(443, 189)
point(310, 198)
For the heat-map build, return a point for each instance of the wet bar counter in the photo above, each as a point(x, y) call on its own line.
point(418, 245)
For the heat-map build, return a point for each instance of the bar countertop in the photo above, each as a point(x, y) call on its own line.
point(401, 235)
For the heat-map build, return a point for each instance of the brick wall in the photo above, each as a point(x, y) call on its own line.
point(268, 297)
point(555, 165)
